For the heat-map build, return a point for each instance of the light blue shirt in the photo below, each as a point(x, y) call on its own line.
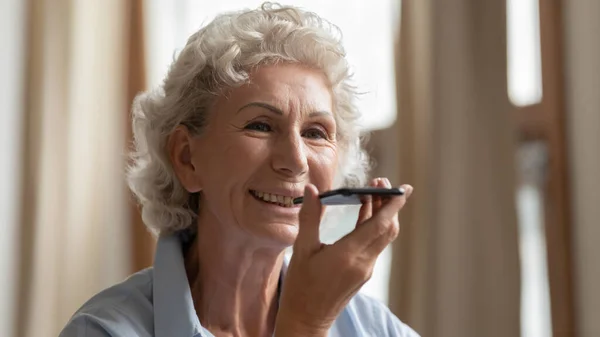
point(157, 301)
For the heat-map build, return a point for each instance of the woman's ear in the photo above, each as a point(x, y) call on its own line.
point(179, 147)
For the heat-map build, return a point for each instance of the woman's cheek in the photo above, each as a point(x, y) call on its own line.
point(324, 167)
point(249, 147)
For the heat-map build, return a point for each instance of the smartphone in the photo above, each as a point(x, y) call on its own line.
point(353, 196)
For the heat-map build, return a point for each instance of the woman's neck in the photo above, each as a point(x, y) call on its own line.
point(234, 282)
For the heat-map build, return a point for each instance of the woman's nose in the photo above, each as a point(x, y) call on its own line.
point(289, 155)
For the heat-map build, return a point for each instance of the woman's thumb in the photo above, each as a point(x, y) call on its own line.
point(309, 221)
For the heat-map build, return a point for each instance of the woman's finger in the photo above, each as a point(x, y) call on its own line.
point(393, 230)
point(308, 239)
point(366, 210)
point(381, 224)
point(380, 243)
point(377, 201)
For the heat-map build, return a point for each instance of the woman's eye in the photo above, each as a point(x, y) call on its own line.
point(259, 126)
point(315, 134)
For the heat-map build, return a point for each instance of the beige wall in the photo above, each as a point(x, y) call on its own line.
point(582, 45)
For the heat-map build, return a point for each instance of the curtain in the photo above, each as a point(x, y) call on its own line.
point(74, 237)
point(142, 242)
point(12, 35)
point(455, 267)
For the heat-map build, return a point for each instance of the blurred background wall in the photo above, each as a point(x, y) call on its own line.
point(490, 108)
point(582, 55)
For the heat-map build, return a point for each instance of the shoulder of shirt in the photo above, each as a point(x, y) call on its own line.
point(375, 318)
point(125, 309)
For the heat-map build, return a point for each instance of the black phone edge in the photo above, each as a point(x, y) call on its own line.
point(347, 191)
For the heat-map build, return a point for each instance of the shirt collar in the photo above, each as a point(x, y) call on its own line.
point(174, 313)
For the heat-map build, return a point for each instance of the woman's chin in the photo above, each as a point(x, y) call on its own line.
point(282, 234)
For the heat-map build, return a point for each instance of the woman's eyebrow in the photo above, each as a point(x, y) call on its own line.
point(262, 105)
point(279, 111)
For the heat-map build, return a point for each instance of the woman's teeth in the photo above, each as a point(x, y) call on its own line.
point(274, 198)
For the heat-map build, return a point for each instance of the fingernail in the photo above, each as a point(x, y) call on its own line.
point(388, 184)
point(409, 190)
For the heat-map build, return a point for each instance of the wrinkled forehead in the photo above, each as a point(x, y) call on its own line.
point(291, 88)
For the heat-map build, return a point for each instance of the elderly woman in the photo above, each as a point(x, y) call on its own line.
point(256, 110)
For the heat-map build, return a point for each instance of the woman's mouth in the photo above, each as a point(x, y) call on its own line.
point(280, 200)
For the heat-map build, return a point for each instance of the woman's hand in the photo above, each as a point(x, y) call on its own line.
point(321, 279)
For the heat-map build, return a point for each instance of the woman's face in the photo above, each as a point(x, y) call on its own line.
point(266, 140)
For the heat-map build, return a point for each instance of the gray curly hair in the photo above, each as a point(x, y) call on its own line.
point(220, 56)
